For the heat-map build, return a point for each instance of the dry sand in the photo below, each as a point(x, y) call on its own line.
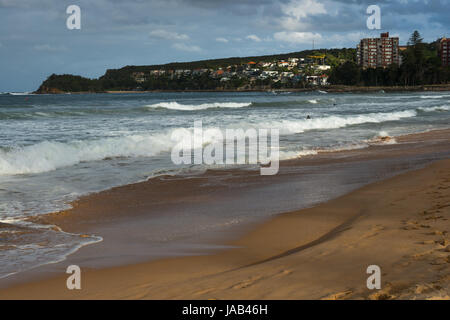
point(400, 224)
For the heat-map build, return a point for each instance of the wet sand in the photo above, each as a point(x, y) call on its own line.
point(400, 224)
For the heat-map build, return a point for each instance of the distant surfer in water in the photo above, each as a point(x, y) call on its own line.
point(308, 117)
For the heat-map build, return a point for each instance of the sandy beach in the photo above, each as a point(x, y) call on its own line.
point(400, 224)
point(225, 159)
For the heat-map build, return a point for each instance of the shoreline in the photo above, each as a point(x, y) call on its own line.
point(327, 261)
point(260, 246)
point(328, 89)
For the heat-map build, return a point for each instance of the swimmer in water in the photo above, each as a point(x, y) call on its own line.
point(308, 117)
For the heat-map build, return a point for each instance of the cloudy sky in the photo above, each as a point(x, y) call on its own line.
point(35, 42)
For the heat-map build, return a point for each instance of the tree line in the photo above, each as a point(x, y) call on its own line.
point(421, 65)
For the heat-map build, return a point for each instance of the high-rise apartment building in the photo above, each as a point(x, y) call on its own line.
point(444, 51)
point(378, 52)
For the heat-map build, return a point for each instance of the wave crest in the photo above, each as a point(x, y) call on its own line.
point(51, 155)
point(335, 122)
point(436, 108)
point(194, 107)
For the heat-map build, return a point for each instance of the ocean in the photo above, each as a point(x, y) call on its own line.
point(56, 148)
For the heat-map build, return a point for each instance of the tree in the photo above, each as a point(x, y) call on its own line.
point(346, 74)
point(415, 39)
point(415, 59)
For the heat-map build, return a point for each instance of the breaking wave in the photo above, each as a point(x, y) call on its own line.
point(51, 155)
point(433, 97)
point(436, 108)
point(335, 122)
point(193, 107)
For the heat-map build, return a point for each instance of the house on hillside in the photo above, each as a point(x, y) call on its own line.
point(139, 77)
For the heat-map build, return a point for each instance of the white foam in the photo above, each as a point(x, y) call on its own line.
point(437, 108)
point(42, 114)
point(30, 255)
point(193, 107)
point(287, 155)
point(334, 122)
point(432, 97)
point(313, 101)
point(381, 138)
point(50, 155)
point(20, 93)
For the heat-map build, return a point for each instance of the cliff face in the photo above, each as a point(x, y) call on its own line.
point(47, 90)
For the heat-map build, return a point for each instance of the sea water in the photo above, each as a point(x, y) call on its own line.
point(56, 148)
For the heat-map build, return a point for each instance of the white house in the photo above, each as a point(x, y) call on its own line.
point(323, 68)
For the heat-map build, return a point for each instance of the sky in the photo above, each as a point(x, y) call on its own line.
point(35, 41)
